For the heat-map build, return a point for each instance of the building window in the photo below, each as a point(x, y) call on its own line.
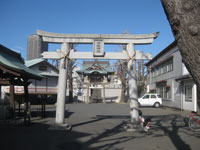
point(163, 68)
point(153, 91)
point(161, 91)
point(152, 73)
point(169, 65)
point(188, 93)
point(165, 92)
point(168, 92)
point(43, 67)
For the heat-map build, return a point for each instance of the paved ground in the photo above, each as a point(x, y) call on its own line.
point(99, 127)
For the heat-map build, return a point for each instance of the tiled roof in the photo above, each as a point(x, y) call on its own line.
point(90, 68)
point(14, 62)
point(33, 62)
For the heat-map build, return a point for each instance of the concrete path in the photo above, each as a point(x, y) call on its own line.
point(100, 127)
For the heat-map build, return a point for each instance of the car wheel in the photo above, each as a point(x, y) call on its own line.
point(157, 105)
point(139, 105)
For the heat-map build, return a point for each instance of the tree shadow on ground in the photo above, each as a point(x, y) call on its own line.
point(107, 139)
point(101, 117)
point(110, 141)
point(172, 125)
point(169, 125)
point(37, 136)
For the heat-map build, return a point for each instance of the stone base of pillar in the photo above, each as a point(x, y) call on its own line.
point(60, 127)
point(134, 111)
point(130, 127)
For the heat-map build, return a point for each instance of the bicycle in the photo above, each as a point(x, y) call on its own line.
point(144, 123)
point(194, 121)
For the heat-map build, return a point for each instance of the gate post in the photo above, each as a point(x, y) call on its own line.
point(88, 98)
point(104, 94)
point(132, 83)
point(62, 84)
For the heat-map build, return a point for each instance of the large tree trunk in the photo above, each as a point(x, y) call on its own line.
point(184, 18)
point(123, 94)
point(122, 73)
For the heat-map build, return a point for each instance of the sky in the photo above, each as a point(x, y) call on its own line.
point(20, 18)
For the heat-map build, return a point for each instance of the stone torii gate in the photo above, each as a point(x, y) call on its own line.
point(98, 41)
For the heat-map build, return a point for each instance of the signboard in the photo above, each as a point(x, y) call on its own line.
point(98, 48)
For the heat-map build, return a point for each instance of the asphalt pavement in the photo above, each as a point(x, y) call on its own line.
point(100, 127)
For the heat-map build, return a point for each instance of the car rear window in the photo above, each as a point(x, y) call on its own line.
point(159, 96)
point(153, 96)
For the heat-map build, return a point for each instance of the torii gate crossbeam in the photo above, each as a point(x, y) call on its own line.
point(89, 55)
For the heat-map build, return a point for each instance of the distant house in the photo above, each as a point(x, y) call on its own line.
point(48, 85)
point(168, 76)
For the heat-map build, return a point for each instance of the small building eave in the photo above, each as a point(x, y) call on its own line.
point(183, 77)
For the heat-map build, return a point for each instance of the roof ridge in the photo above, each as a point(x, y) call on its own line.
point(32, 62)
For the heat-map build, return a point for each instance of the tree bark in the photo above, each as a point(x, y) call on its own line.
point(184, 18)
point(121, 68)
point(123, 94)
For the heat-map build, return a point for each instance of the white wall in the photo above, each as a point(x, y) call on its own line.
point(192, 106)
point(184, 70)
point(111, 94)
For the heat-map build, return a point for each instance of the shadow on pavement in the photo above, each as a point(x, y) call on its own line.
point(172, 125)
point(38, 137)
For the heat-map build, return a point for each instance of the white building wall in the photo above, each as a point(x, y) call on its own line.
point(113, 94)
point(48, 84)
point(184, 70)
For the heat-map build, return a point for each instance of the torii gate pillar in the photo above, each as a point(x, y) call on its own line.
point(132, 83)
point(62, 84)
